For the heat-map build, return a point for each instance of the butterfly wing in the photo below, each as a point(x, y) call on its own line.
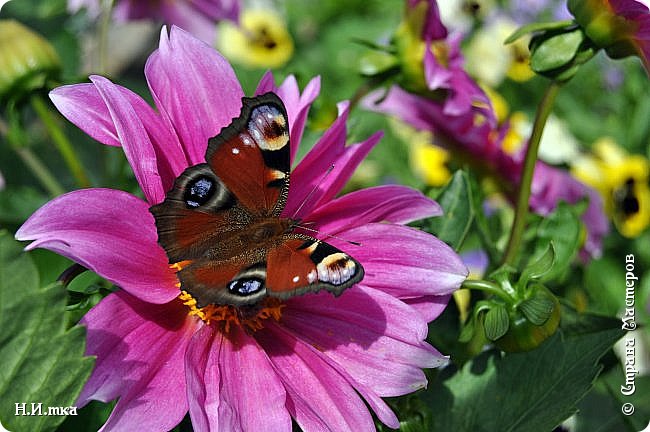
point(246, 177)
point(296, 265)
point(252, 155)
point(302, 264)
point(220, 225)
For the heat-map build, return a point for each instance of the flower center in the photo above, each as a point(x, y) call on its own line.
point(250, 317)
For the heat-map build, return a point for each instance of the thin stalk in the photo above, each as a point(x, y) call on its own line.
point(102, 34)
point(33, 163)
point(40, 171)
point(61, 142)
point(523, 196)
point(486, 286)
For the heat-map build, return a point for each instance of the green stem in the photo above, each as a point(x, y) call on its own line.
point(486, 286)
point(521, 209)
point(40, 171)
point(60, 141)
point(33, 163)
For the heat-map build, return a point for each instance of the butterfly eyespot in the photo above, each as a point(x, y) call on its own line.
point(199, 191)
point(245, 287)
point(336, 269)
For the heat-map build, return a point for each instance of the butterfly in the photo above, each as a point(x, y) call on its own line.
point(221, 225)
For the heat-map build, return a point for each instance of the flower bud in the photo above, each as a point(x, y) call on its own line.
point(27, 60)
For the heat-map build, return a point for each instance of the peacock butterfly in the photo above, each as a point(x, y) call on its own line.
point(220, 223)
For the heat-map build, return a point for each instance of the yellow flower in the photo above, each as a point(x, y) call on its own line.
point(489, 60)
point(622, 180)
point(427, 161)
point(261, 40)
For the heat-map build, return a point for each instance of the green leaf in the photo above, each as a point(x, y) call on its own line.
point(496, 322)
point(540, 267)
point(532, 391)
point(375, 62)
point(535, 27)
point(563, 229)
point(538, 308)
point(600, 410)
point(455, 199)
point(42, 362)
point(555, 51)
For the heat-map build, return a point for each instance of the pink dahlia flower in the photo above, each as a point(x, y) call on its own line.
point(442, 62)
point(621, 27)
point(312, 358)
point(198, 17)
point(474, 136)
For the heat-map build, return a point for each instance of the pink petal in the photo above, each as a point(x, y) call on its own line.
point(187, 17)
point(203, 408)
point(397, 204)
point(248, 384)
point(430, 307)
point(318, 397)
point(376, 338)
point(403, 261)
point(195, 89)
point(140, 349)
point(110, 232)
point(83, 105)
point(311, 178)
point(134, 138)
point(297, 104)
point(436, 75)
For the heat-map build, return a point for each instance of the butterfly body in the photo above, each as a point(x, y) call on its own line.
point(221, 223)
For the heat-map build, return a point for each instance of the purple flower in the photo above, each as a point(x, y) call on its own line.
point(311, 357)
point(476, 137)
point(199, 17)
point(432, 59)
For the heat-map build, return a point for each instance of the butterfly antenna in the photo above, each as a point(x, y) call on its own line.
point(328, 235)
point(309, 195)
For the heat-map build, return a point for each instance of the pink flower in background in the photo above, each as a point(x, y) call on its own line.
point(475, 136)
point(316, 355)
point(198, 17)
point(441, 62)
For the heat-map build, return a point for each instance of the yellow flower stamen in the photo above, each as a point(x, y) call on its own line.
point(250, 317)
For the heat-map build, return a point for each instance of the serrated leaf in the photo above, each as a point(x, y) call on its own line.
point(455, 199)
point(538, 308)
point(535, 27)
point(527, 392)
point(42, 362)
point(540, 267)
point(555, 51)
point(496, 322)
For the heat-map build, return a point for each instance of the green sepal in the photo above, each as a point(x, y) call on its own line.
point(538, 268)
point(538, 308)
point(496, 322)
point(554, 51)
point(538, 27)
